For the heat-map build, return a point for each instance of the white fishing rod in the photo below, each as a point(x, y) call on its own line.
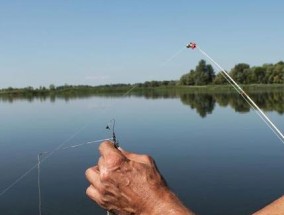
point(246, 97)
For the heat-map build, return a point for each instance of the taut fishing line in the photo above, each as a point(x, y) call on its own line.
point(246, 97)
point(48, 155)
point(36, 165)
point(173, 56)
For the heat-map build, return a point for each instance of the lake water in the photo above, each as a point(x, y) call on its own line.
point(215, 153)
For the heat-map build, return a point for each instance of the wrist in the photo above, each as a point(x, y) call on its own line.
point(166, 203)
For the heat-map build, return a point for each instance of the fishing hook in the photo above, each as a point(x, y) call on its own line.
point(110, 126)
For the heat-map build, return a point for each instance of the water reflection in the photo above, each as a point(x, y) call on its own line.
point(233, 168)
point(203, 103)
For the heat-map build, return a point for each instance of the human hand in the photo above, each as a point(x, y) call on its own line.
point(127, 183)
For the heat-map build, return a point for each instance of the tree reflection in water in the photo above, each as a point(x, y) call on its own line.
point(205, 103)
point(202, 102)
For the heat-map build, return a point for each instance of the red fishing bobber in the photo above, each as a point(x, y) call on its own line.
point(191, 45)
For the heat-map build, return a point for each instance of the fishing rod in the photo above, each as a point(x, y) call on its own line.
point(245, 96)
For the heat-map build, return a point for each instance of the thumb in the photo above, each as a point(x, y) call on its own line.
point(145, 159)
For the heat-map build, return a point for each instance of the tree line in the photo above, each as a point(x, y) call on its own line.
point(242, 73)
point(203, 74)
point(201, 100)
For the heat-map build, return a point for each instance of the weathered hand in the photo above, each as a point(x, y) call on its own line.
point(127, 183)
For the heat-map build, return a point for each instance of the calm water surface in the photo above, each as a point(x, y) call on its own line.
point(215, 153)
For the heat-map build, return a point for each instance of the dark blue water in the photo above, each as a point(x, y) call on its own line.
point(218, 157)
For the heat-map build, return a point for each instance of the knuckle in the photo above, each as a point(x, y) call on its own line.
point(105, 176)
point(103, 192)
point(148, 159)
point(98, 195)
point(91, 171)
point(113, 161)
point(88, 172)
point(103, 144)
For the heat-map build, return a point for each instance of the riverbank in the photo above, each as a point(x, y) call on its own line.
point(122, 89)
point(228, 88)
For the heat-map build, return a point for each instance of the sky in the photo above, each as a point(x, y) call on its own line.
point(98, 42)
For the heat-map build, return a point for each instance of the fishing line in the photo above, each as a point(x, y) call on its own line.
point(125, 94)
point(38, 183)
point(87, 143)
point(80, 145)
point(174, 56)
point(49, 154)
point(59, 147)
point(246, 97)
point(35, 166)
point(40, 161)
point(113, 139)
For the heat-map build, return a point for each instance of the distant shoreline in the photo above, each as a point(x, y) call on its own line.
point(123, 88)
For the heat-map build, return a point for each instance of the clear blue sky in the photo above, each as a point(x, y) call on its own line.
point(97, 41)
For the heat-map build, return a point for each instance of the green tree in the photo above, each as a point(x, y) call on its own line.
point(188, 79)
point(259, 73)
point(219, 79)
point(52, 87)
point(240, 73)
point(278, 73)
point(202, 75)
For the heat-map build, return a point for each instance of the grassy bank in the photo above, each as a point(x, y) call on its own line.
point(84, 91)
point(225, 88)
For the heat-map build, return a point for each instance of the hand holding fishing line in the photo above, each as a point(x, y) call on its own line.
point(128, 183)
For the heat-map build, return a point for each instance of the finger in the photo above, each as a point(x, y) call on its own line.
point(146, 159)
point(111, 157)
point(102, 200)
point(93, 175)
point(107, 148)
point(101, 164)
point(110, 163)
point(93, 193)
